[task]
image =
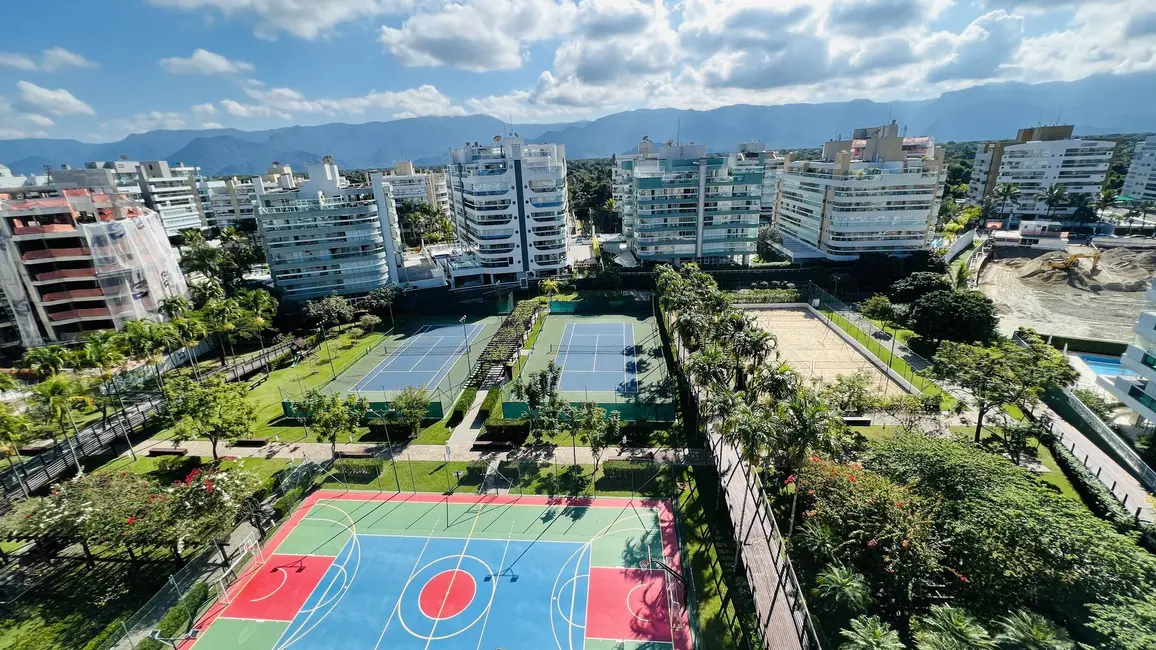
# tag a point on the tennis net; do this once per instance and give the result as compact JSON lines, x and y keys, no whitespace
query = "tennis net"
{"x":593,"y":349}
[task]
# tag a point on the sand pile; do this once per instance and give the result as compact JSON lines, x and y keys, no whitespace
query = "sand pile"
{"x":1120,"y":269}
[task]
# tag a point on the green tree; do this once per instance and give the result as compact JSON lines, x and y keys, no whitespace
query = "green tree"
{"x":801,"y":426}
{"x":380,"y":301}
{"x":596,"y":429}
{"x":1005,"y":194}
{"x":332,"y":417}
{"x":1024,"y":630}
{"x":368,"y":323}
{"x":951,"y":628}
{"x":842,"y":593}
{"x":410,"y":407}
{"x":146,"y":341}
{"x":103,"y":351}
{"x":870,"y":633}
{"x":55,"y":398}
{"x":965,"y":316}
{"x":917,"y":285}
{"x":852,"y":394}
{"x":15,"y":432}
{"x":1054,"y":196}
{"x":225,"y":264}
{"x":1104,"y":200}
{"x":548,"y":287}
{"x":420,"y":219}
{"x":989,"y":374}
{"x":210,"y":409}
{"x":960,"y":278}
{"x":329,"y":311}
{"x":1125,"y":623}
{"x":545,"y":405}
{"x":175,"y":307}
{"x":223,"y":319}
{"x":878,"y":308}
{"x":45,"y":360}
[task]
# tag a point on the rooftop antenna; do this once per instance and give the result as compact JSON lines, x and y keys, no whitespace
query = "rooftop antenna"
{"x":1040,"y":122}
{"x":678,"y":132}
{"x":1060,"y":115}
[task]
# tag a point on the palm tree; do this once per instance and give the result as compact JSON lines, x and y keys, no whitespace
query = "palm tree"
{"x":55,"y":398}
{"x":961,"y":276}
{"x":146,"y":343}
{"x":774,"y":382}
{"x":951,"y":628}
{"x":262,"y":307}
{"x":176,"y":307}
{"x":222,"y":318}
{"x":842,"y":590}
{"x":191,"y":332}
{"x":748,"y":431}
{"x":1105,"y":200}
{"x":1083,"y":207}
{"x":751,"y":347}
{"x":710,"y":366}
{"x":1146,"y":208}
{"x":870,"y":633}
{"x":1054,"y":196}
{"x":802,"y":425}
{"x":102,"y":350}
{"x":45,"y":360}
{"x":15,"y":432}
{"x":1006,"y":193}
{"x":1026,"y":630}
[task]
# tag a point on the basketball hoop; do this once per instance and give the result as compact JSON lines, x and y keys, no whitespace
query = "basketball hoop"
{"x":644,"y":564}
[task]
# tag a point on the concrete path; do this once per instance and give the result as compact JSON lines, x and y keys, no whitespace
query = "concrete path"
{"x":471,"y":425}
{"x":541,"y":453}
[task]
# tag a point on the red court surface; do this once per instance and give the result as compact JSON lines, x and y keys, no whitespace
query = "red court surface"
{"x":277,"y":590}
{"x":631,"y":604}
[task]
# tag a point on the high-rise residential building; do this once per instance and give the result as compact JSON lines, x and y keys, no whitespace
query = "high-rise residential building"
{"x":772,"y":164}
{"x":8,"y":180}
{"x":622,"y":180}
{"x":1140,"y":184}
{"x":324,"y":236}
{"x":74,"y":261}
{"x":1036,"y":159}
{"x":421,"y":187}
{"x":683,"y":205}
{"x":1138,"y":390}
{"x":510,"y":207}
{"x":878,"y":192}
{"x":171,"y":192}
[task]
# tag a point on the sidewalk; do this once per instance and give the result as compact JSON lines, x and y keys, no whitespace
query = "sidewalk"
{"x":468,"y":429}
{"x":545,"y":453}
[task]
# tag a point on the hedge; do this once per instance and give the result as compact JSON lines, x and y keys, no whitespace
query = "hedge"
{"x":285,"y":504}
{"x":768,"y":296}
{"x":514,"y":431}
{"x":462,"y":406}
{"x":111,"y":632}
{"x":179,"y":618}
{"x":1089,"y":346}
{"x":493,"y":401}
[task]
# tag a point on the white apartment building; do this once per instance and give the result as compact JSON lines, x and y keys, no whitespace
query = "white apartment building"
{"x":411,"y":185}
{"x":1140,"y":184}
{"x":1138,"y":392}
{"x":684,"y":205}
{"x":324,"y":236}
{"x":772,"y":165}
{"x":1038,"y":158}
{"x":510,"y":207}
{"x":878,"y":192}
{"x":171,"y":192}
{"x":8,"y":180}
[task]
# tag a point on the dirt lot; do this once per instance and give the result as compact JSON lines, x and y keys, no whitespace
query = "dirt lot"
{"x":1075,"y":301}
{"x":812,"y":349}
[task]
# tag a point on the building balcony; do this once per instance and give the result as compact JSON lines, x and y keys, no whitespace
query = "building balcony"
{"x":1132,"y":393}
{"x":549,"y":261}
{"x":67,"y":296}
{"x":60,"y":317}
{"x":64,"y":274}
{"x":550,"y":245}
{"x":545,"y":203}
{"x":56,"y":254}
{"x":45,"y":229}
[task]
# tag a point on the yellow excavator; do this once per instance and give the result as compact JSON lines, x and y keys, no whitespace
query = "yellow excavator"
{"x":1074,"y":259}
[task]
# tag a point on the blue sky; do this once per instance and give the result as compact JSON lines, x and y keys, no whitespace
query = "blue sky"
{"x":98,"y":70}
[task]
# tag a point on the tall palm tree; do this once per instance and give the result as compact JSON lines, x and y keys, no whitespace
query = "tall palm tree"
{"x":1006,"y":193}
{"x":15,"y":432}
{"x":748,"y":430}
{"x":961,"y":276}
{"x":843,"y":591}
{"x":103,"y":351}
{"x":223,"y":317}
{"x":1026,"y":630}
{"x":710,"y":366}
{"x":176,"y":307}
{"x":771,"y":381}
{"x":1105,"y":200}
{"x":751,"y":347}
{"x":870,"y":633}
{"x":191,"y":332}
{"x":45,"y":360}
{"x":951,"y":628}
{"x":1083,"y":207}
{"x":802,"y":425}
{"x":262,"y":307}
{"x":146,"y":343}
{"x":55,"y":398}
{"x":1054,"y":196}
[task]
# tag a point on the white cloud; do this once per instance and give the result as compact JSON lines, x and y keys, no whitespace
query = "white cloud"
{"x":205,"y":109}
{"x":1090,"y":44}
{"x":7,"y":133}
{"x":281,"y":102}
{"x":204,"y":62}
{"x":478,"y":35}
{"x":303,"y":18}
{"x":38,"y":120}
{"x":148,"y":121}
{"x":237,"y":109}
{"x":211,"y":125}
{"x":58,"y":58}
{"x":987,"y":43}
{"x":18,"y":61}
{"x":57,"y":102}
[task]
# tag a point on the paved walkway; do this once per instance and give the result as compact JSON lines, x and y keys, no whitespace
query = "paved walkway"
{"x":468,"y":429}
{"x":541,"y":453}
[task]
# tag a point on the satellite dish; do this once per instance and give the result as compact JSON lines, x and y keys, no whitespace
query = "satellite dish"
{"x":328,"y":160}
{"x":497,"y":138}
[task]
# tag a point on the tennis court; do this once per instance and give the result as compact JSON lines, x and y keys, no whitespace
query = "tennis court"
{"x":424,"y":359}
{"x":368,"y":571}
{"x":598,"y":357}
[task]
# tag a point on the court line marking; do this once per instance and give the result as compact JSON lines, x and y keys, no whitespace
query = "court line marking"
{"x":632,"y":612}
{"x":461,"y":557}
{"x":284,"y":579}
{"x":485,"y":610}
{"x":412,"y":572}
{"x":360,"y":386}
{"x":472,"y":581}
{"x":567,"y":334}
{"x":597,"y":338}
{"x":496,"y":579}
{"x":571,"y":581}
{"x":458,"y":353}
{"x":427,"y":353}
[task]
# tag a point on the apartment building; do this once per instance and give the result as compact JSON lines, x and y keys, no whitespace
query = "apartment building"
{"x":878,"y":192}
{"x":683,"y":205}
{"x":622,"y":181}
{"x":8,"y":180}
{"x":411,"y":185}
{"x":171,"y":192}
{"x":1037,"y":158}
{"x":75,"y":260}
{"x":510,"y":207}
{"x":772,"y":165}
{"x":324,"y":236}
{"x":1140,"y":184}
{"x":1138,"y":391}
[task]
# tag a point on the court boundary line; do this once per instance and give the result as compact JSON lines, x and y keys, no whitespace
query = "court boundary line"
{"x":412,"y":572}
{"x":459,"y":351}
{"x":357,"y":388}
{"x":472,"y":335}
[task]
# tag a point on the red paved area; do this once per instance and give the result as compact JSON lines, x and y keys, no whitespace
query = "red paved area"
{"x":278,"y":589}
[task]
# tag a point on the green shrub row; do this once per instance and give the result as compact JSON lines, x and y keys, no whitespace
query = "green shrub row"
{"x":179,"y":618}
{"x":111,"y":632}
{"x":514,"y":431}
{"x":178,"y":467}
{"x":462,"y":406}
{"x":285,"y":504}
{"x":767,"y":296}
{"x":492,"y":403}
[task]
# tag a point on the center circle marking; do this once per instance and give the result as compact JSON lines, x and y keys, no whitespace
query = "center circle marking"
{"x":447,"y":594}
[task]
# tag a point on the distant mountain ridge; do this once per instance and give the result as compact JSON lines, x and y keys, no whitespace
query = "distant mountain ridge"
{"x":992,"y":111}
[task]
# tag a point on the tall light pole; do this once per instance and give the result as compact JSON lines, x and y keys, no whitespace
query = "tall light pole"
{"x":466,"y":338}
{"x":388,"y":441}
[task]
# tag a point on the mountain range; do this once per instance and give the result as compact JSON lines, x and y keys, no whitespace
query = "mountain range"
{"x":1095,"y":105}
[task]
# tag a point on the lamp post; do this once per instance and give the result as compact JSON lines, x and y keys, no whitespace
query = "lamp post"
{"x":466,"y":338}
{"x":389,"y":442}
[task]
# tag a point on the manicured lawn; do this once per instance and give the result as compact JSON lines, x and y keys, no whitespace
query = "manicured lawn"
{"x":261,"y":467}
{"x":415,"y":476}
{"x":899,"y":333}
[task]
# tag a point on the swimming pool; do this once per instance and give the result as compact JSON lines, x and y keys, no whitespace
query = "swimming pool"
{"x":1105,"y":366}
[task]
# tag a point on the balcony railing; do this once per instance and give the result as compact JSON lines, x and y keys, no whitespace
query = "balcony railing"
{"x":64,"y":274}
{"x":71,"y":314}
{"x":44,"y":229}
{"x":53,"y":253}
{"x":71,"y":295}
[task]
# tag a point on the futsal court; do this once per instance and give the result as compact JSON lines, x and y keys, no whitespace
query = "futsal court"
{"x":423,"y":359}
{"x":597,"y":357}
{"x":371,"y":571}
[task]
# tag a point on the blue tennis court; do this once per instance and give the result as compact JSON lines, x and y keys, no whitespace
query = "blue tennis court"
{"x":424,"y":359}
{"x":597,"y":357}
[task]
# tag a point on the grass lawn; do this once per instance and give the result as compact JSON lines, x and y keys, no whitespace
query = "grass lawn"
{"x":899,"y":333}
{"x":262,"y":467}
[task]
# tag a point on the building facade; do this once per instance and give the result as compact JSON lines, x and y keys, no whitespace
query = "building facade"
{"x":772,"y":165}
{"x":1140,"y":184}
{"x":511,"y":208}
{"x":1036,"y":159}
{"x":171,"y":192}
{"x":878,"y":192}
{"x":324,"y":236}
{"x":1138,"y":392}
{"x":75,"y":261}
{"x":683,"y":205}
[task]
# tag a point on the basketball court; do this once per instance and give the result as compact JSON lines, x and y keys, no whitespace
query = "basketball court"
{"x":371,"y":571}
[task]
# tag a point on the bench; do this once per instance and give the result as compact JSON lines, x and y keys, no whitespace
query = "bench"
{"x":492,"y":445}
{"x":249,"y":442}
{"x":168,"y":451}
{"x":857,"y":421}
{"x":354,"y":454}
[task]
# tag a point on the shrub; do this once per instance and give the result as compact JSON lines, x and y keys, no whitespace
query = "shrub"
{"x":492,"y":402}
{"x":104,"y":640}
{"x":285,"y":504}
{"x":462,"y":406}
{"x":179,"y":618}
{"x":503,"y":430}
{"x":177,"y":467}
